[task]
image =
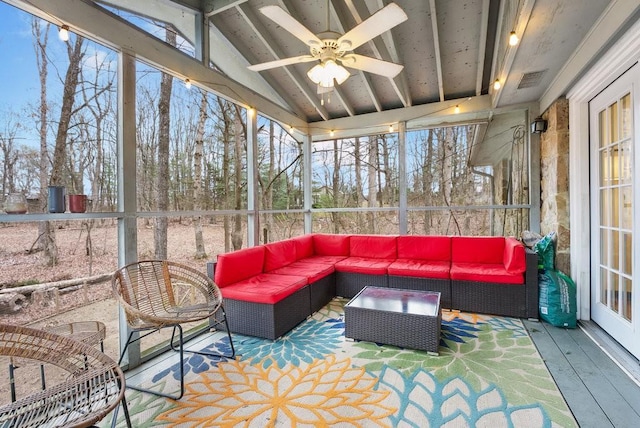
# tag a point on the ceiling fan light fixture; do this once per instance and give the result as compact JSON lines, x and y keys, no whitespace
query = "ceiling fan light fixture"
{"x":326,"y":72}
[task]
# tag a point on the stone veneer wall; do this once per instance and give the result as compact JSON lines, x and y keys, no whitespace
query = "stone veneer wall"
{"x":554,"y":185}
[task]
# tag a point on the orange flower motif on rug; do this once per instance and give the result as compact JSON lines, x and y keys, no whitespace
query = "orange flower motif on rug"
{"x":320,"y":394}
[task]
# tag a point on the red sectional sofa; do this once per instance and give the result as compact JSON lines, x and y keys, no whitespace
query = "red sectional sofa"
{"x":270,"y":288}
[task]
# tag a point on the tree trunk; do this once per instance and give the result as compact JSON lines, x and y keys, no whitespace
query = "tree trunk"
{"x":164,"y":114}
{"x":197,"y":180}
{"x":359,"y":193}
{"x":427,"y":181}
{"x":226,"y":167}
{"x":76,"y":56}
{"x":236,"y":236}
{"x":336,"y":187}
{"x":373,"y":188}
{"x":46,"y":242}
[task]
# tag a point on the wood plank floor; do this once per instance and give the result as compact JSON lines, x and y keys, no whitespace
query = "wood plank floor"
{"x":599,"y":392}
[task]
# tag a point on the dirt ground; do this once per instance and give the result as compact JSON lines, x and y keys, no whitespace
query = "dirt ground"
{"x":89,"y":302}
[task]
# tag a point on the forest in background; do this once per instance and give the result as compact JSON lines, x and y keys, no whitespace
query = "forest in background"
{"x":192,"y":156}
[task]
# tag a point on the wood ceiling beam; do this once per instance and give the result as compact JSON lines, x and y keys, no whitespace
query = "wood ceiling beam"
{"x":521,"y":21}
{"x":482,"y":46}
{"x":234,"y":63}
{"x":261,"y":31}
{"x":213,"y":7}
{"x":421,"y":116}
{"x":207,"y":7}
{"x":436,"y":45}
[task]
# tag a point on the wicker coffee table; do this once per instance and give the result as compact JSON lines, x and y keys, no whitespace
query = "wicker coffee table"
{"x":392,"y":316}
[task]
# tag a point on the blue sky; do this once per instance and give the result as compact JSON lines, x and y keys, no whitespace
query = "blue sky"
{"x":18,"y":71}
{"x":19,"y":76}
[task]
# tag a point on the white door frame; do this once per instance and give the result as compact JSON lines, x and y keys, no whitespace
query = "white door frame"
{"x":619,"y":58}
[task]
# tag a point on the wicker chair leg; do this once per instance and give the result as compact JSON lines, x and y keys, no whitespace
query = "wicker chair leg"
{"x":181,"y":350}
{"x":213,"y":354}
{"x":125,"y":409}
{"x":12,"y":382}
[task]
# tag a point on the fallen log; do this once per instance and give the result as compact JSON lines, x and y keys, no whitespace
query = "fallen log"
{"x":11,"y":302}
{"x":28,"y":289}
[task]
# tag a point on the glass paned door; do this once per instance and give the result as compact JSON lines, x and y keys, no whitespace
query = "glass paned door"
{"x":614,"y":293}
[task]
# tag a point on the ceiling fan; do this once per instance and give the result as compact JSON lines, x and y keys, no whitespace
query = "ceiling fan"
{"x":333,"y":50}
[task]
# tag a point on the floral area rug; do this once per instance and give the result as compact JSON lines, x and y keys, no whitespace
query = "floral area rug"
{"x":488,"y":374}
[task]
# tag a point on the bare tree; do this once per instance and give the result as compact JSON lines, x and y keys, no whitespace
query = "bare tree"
{"x":373,"y":188}
{"x":335,"y":186}
{"x":46,"y":238}
{"x":163,"y":178}
{"x":197,"y":173}
{"x":9,"y":153}
{"x":236,"y":236}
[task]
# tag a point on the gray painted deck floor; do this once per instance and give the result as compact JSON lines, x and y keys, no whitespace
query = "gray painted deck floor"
{"x":599,"y":392}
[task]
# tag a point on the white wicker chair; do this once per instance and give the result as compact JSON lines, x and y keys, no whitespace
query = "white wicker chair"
{"x":158,"y":293}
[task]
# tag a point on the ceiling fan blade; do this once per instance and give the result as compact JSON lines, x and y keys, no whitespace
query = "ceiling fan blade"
{"x":281,"y":62}
{"x":289,"y":23}
{"x":371,"y":65}
{"x":381,"y":21}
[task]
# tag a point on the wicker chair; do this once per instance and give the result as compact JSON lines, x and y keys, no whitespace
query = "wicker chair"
{"x":94,"y":387}
{"x":158,"y":293}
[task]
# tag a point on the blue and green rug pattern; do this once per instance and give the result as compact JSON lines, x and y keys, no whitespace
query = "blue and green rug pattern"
{"x":488,"y":374}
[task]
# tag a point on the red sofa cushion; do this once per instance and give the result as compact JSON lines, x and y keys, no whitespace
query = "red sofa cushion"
{"x":330,"y":245}
{"x":312,"y":271}
{"x":304,"y":246}
{"x":484,"y":272}
{"x":477,"y":249}
{"x":437,"y":269}
{"x":364,"y":265}
{"x":239,"y":265}
{"x":424,"y":247}
{"x":514,"y":256}
{"x":264,"y":288}
{"x":327,"y":260}
{"x":373,"y":246}
{"x":279,"y":254}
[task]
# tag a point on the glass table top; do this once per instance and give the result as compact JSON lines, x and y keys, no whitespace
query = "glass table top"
{"x":397,"y":300}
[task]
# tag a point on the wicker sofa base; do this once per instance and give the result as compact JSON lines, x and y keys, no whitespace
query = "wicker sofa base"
{"x":322,"y":292}
{"x":443,"y":286}
{"x":348,"y":284}
{"x":268,"y":320}
{"x":490,"y":298}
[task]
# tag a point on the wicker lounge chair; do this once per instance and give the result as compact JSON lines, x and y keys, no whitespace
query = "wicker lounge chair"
{"x":94,"y":387}
{"x":156,"y":294}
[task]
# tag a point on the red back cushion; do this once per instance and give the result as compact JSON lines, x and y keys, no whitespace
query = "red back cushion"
{"x":514,"y":256}
{"x":238,"y":265}
{"x":477,"y":249}
{"x":279,"y":254}
{"x":304,"y":246}
{"x":373,"y":246}
{"x":424,"y":248}
{"x":331,"y":245}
